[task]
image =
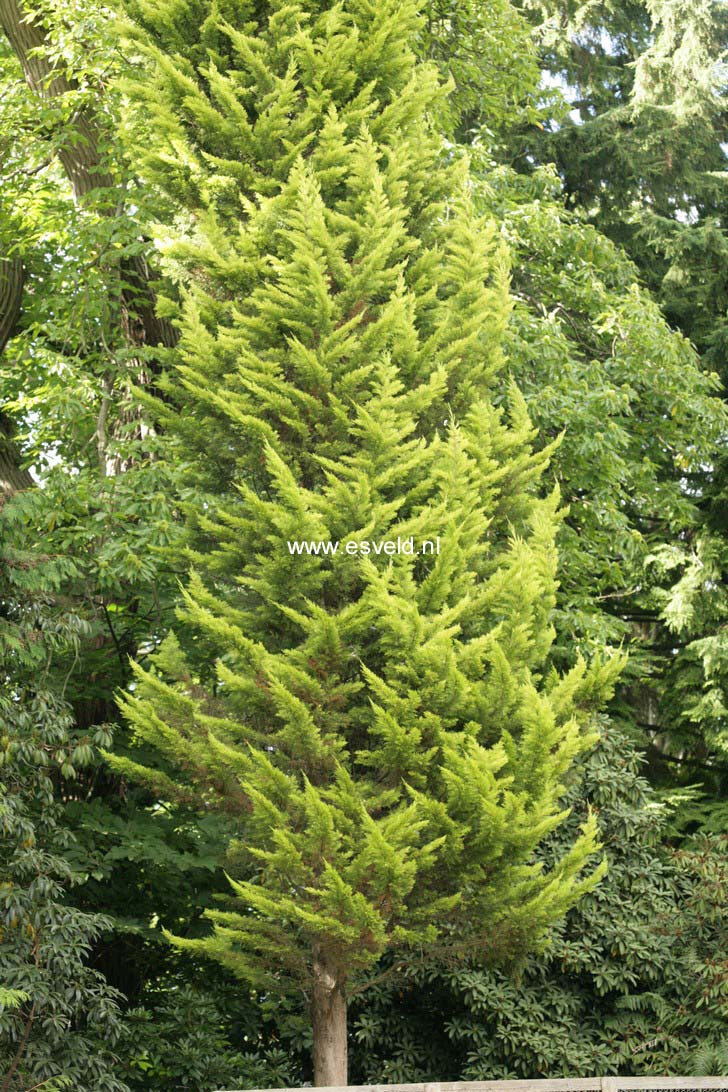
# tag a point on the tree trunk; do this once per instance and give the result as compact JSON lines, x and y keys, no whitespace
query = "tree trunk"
{"x":11,"y":293}
{"x":89,"y":166}
{"x":93,"y":167}
{"x":330,"y":1061}
{"x":12,"y":478}
{"x":79,"y":151}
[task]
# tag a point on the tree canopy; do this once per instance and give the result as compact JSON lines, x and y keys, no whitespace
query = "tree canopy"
{"x":355,"y":275}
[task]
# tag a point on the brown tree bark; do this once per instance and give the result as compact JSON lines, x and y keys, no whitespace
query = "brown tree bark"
{"x":11,"y":293}
{"x":79,"y":152}
{"x":329,"y":1018}
{"x":12,"y":478}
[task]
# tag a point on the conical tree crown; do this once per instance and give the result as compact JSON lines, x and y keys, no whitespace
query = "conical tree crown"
{"x":377,"y":585}
{"x":321,"y":225}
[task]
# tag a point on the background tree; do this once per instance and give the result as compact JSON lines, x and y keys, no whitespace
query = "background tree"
{"x":65,"y":1021}
{"x":78,"y":330}
{"x":642,"y":154}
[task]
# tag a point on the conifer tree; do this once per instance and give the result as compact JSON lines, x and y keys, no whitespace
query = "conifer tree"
{"x":378,"y":715}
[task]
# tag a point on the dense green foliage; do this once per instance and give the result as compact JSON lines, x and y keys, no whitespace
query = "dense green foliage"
{"x":600,"y":368}
{"x":630,"y":967}
{"x":59,"y":1019}
{"x":383,"y":730}
{"x":145,"y":151}
{"x":642,"y":154}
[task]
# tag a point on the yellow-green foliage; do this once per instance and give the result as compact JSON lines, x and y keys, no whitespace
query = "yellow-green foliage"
{"x":380,"y":723}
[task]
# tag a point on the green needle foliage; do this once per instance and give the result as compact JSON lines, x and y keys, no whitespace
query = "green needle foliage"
{"x":380,"y":721}
{"x":637,"y":147}
{"x":630,"y":983}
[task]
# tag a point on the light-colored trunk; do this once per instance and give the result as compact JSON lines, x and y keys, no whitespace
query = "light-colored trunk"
{"x":330,"y":1056}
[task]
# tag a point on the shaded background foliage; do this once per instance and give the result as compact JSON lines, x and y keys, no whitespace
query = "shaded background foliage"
{"x":64,"y":1020}
{"x":626,"y":986}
